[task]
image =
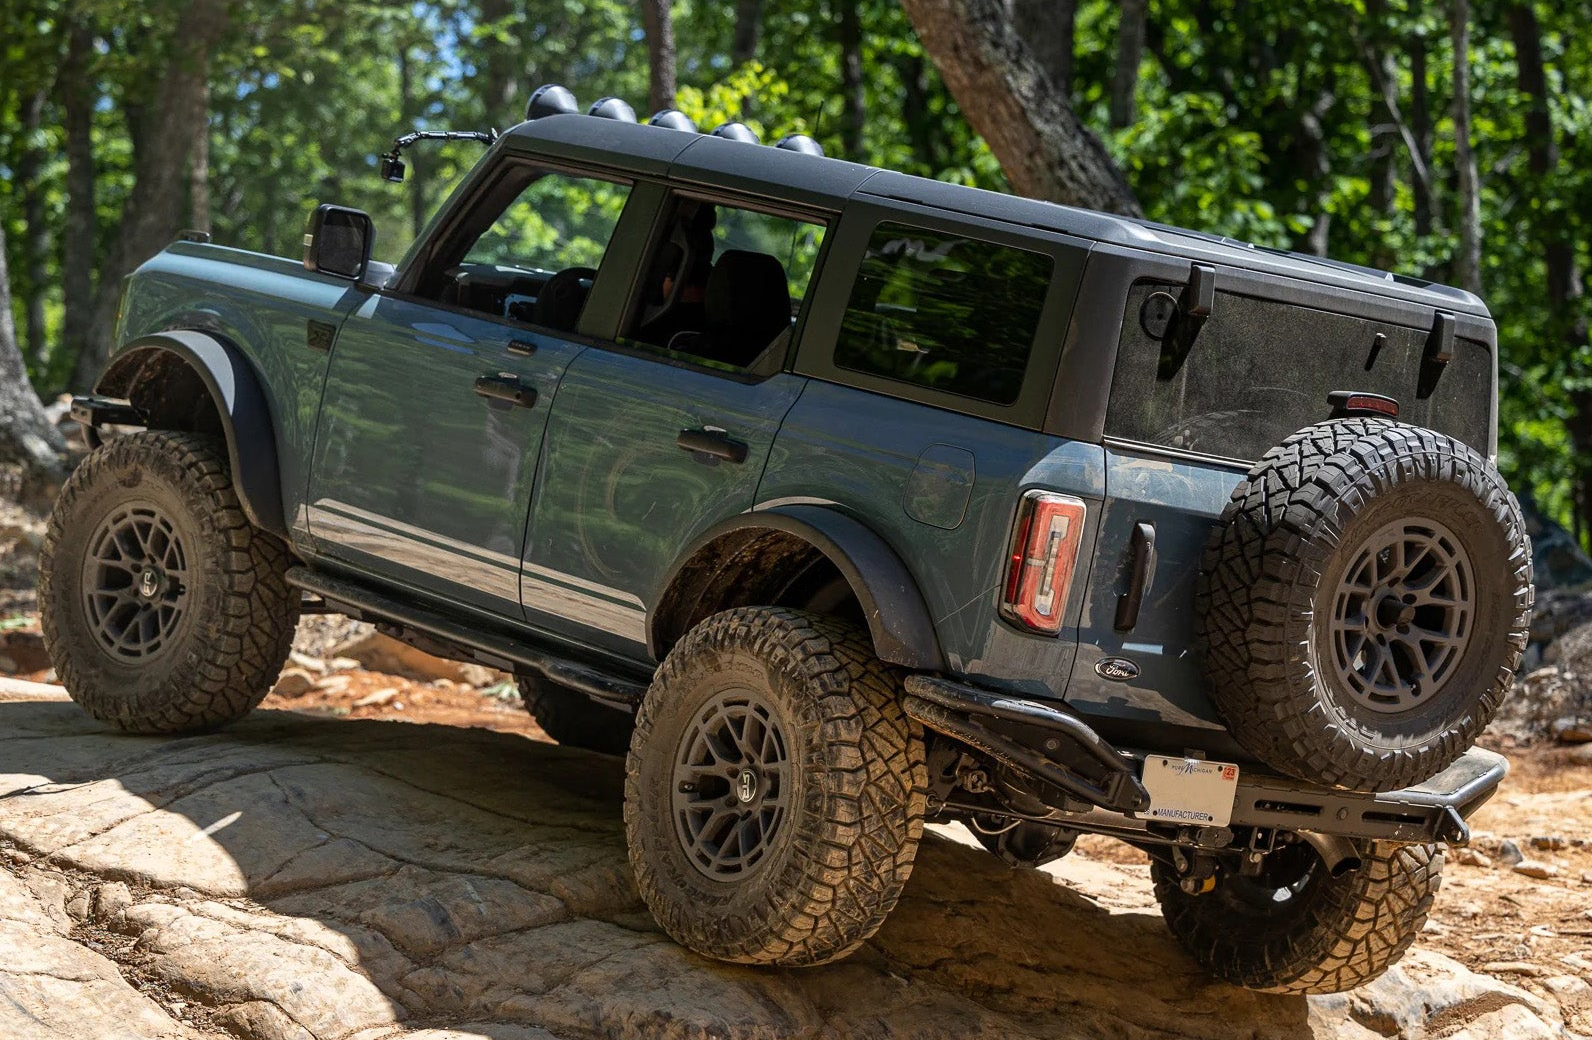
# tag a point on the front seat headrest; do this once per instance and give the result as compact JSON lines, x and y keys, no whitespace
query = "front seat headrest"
{"x":748,"y":304}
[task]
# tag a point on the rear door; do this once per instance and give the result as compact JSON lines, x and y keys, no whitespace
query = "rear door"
{"x":437,"y":397}
{"x":1180,"y":437}
{"x":666,"y":429}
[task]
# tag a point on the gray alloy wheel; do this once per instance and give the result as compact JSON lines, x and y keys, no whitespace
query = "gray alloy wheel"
{"x":134,"y":581}
{"x":1402,"y":615}
{"x":730,"y":792}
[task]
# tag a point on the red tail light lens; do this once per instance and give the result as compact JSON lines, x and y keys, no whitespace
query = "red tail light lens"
{"x":1044,"y":554}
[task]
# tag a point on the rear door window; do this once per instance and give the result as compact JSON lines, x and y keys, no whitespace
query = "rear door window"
{"x":946,"y":312}
{"x":1261,"y":369}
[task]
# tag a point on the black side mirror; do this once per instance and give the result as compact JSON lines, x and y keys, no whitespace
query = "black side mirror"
{"x":338,"y":241}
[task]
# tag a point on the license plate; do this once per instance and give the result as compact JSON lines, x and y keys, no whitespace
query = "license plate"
{"x":1190,"y":790}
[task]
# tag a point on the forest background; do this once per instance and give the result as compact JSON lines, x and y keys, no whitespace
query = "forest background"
{"x":1448,"y":140}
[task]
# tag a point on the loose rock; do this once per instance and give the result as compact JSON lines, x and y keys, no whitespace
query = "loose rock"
{"x":1536,"y":869}
{"x":294,"y":682}
{"x":1508,"y":853}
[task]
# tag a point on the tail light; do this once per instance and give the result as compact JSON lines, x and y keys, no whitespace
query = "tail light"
{"x":1044,"y":555}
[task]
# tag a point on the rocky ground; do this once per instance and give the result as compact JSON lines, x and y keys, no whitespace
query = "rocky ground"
{"x":313,"y":878}
{"x":322,"y":871}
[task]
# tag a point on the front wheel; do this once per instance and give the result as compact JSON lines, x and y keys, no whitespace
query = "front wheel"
{"x":775,"y":790}
{"x":164,"y":611}
{"x":573,"y":719}
{"x":1297,"y":929}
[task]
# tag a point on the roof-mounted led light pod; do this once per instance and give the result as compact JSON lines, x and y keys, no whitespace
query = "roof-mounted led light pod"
{"x":800,"y":143}
{"x":736,"y":132}
{"x":551,"y":100}
{"x":612,"y":108}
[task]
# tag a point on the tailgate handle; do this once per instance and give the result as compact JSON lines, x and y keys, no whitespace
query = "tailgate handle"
{"x":1140,"y":574}
{"x":711,"y":442}
{"x":503,"y":387}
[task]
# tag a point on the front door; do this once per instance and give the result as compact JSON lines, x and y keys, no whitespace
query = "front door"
{"x":437,"y":396}
{"x":658,"y":436}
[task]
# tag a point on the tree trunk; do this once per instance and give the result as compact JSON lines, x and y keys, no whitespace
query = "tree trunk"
{"x":28,"y":440}
{"x":1563,"y":277}
{"x":657,"y":19}
{"x":1383,"y":122}
{"x":1467,"y":265}
{"x":199,"y":170}
{"x":501,"y":69}
{"x":1047,"y":26}
{"x":915,"y":113}
{"x":748,"y":26}
{"x":1130,"y":53}
{"x":35,"y":230}
{"x":80,"y":240}
{"x":854,"y":113}
{"x":162,"y":145}
{"x":409,"y":106}
{"x":1421,"y":133}
{"x":1044,"y":149}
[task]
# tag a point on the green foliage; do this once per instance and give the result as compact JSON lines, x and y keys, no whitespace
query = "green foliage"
{"x":1258,"y":121}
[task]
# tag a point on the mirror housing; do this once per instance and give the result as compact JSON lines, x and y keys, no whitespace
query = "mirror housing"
{"x":338,"y":241}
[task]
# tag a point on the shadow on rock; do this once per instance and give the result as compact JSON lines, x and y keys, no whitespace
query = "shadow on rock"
{"x":315,"y":879}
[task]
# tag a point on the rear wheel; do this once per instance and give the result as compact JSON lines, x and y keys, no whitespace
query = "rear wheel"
{"x":575,"y":720}
{"x":775,"y":790}
{"x":163,"y":609}
{"x":1297,"y":929}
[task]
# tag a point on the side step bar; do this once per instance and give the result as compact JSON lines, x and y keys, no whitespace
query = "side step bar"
{"x":475,"y":644}
{"x":958,"y":710}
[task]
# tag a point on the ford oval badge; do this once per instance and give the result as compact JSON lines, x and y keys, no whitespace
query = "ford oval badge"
{"x":1117,"y":669}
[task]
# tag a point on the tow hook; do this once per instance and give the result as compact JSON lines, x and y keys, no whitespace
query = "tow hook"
{"x":1452,"y":828}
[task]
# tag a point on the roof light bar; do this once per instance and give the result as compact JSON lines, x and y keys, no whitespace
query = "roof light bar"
{"x":612,"y":108}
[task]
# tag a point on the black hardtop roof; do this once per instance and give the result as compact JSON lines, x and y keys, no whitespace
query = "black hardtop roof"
{"x":791,"y":177}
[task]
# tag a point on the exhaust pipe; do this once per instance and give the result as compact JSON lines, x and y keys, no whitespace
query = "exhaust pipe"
{"x":1337,"y":852}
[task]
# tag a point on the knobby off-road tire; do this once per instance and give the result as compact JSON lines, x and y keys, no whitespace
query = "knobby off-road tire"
{"x":1323,"y":935}
{"x":1364,"y":602}
{"x":575,"y":720}
{"x":775,"y":790}
{"x":164,"y":611}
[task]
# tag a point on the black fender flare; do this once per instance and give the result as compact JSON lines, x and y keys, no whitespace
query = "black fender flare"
{"x":240,"y":403}
{"x":898,"y":617}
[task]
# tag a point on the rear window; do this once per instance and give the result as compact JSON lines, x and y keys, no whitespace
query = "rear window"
{"x":1262,"y":369}
{"x":949,"y":313}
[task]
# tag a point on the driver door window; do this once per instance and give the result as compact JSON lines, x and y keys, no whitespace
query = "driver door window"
{"x":537,"y":261}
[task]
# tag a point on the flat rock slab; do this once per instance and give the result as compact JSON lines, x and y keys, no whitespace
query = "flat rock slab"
{"x":294,"y":878}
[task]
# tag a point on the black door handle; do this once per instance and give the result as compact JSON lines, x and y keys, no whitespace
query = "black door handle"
{"x":1139,"y":577}
{"x":711,"y":442}
{"x":508,"y":388}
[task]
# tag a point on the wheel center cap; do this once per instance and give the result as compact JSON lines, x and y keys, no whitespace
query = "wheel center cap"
{"x":148,"y":583}
{"x":746,"y":786}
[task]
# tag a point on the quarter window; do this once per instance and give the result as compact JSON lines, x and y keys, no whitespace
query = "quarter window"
{"x":949,"y":313}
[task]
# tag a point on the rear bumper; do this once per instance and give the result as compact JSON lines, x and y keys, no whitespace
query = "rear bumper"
{"x":1018,"y":732}
{"x":1435,"y":810}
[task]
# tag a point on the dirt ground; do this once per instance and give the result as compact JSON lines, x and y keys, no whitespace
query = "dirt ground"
{"x":1516,"y":905}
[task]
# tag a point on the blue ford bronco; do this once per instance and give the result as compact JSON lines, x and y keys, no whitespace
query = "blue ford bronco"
{"x":841,"y":501}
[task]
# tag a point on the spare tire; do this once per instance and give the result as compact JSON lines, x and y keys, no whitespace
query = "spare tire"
{"x":1363,"y":603}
